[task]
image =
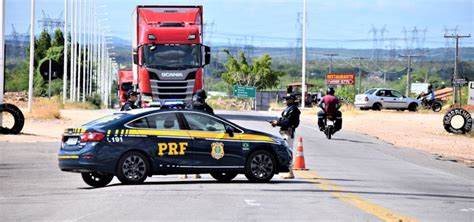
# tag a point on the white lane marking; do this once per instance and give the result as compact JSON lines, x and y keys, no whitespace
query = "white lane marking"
{"x":467,"y":209}
{"x":252,"y":202}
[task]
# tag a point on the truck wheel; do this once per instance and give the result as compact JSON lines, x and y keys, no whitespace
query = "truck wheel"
{"x":95,"y":179}
{"x":132,"y":168}
{"x":17,"y":116}
{"x":223,"y":177}
{"x":260,"y":166}
{"x":412,"y":107}
{"x":377,"y":107}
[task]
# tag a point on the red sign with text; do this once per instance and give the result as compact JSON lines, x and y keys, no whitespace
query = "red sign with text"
{"x":340,"y":79}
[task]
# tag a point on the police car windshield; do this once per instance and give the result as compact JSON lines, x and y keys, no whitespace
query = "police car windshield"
{"x":106,"y":119}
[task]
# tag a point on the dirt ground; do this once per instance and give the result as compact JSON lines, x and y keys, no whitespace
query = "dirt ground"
{"x":422,"y":130}
{"x":44,"y":130}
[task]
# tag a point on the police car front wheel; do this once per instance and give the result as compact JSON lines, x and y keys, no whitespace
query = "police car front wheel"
{"x":133,"y":168}
{"x":97,"y":179}
{"x":260,"y":166}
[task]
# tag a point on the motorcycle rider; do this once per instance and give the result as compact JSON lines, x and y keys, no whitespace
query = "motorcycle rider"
{"x":288,"y":122}
{"x":429,"y":96}
{"x":330,"y":104}
{"x":132,"y":99}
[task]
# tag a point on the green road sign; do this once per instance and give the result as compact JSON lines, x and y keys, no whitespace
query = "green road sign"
{"x":245,"y":91}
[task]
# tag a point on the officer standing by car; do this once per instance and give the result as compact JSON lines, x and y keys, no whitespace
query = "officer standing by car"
{"x":199,"y":104}
{"x":288,"y":122}
{"x":132,"y":99}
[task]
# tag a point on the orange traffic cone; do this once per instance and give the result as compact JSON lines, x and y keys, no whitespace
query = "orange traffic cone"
{"x":299,"y":156}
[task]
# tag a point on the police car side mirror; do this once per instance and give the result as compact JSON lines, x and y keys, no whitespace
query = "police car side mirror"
{"x":229,"y":130}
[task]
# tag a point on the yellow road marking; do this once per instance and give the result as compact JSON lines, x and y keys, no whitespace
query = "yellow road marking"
{"x":352,"y":199}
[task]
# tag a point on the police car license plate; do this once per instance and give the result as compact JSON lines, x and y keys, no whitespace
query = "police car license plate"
{"x":72,"y":141}
{"x":330,"y":123}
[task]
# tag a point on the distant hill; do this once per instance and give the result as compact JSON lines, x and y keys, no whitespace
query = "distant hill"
{"x":122,"y":49}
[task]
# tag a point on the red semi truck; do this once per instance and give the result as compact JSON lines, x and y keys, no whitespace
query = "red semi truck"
{"x":168,"y":53}
{"x":125,"y":83}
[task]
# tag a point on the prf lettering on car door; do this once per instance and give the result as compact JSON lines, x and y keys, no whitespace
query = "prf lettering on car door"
{"x":173,"y":149}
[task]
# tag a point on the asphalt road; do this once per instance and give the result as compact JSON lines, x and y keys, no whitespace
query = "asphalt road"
{"x":351,"y":178}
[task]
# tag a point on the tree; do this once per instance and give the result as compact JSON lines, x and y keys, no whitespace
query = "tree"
{"x":58,"y":38}
{"x":258,"y":74}
{"x":42,"y":45}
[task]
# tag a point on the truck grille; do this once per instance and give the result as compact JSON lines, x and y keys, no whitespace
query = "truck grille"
{"x":172,"y":89}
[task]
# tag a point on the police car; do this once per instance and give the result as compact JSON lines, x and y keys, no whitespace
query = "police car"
{"x":140,"y":143}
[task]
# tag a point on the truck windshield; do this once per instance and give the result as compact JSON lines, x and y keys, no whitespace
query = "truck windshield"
{"x":172,"y":56}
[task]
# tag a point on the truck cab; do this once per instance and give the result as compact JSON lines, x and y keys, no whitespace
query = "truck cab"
{"x":168,"y":53}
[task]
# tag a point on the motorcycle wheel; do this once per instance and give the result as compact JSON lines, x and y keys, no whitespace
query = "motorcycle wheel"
{"x":436,"y":106}
{"x":328,"y":133}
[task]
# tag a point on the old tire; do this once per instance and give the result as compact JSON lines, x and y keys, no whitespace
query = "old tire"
{"x":465,"y":128}
{"x":17,"y":115}
{"x":224,"y":176}
{"x":132,"y":168}
{"x":412,"y":107}
{"x":377,"y":107}
{"x":260,"y":166}
{"x":95,"y":179}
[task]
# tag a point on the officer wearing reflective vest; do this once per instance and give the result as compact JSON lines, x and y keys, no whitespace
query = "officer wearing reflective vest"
{"x":288,"y":122}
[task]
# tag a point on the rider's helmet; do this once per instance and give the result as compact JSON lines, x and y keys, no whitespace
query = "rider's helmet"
{"x":201,"y":95}
{"x":330,"y":91}
{"x":430,"y":87}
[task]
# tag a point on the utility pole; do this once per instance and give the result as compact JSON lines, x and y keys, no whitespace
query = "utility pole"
{"x":303,"y":60}
{"x":79,"y":54}
{"x":32,"y":57}
{"x":360,"y":72}
{"x":456,"y":86}
{"x":409,"y":57}
{"x":72,"y":82}
{"x":65,"y":53}
{"x":330,"y":59}
{"x":2,"y":53}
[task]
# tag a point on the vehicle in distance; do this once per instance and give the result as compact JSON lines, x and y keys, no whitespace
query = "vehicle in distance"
{"x":140,"y":143}
{"x":124,"y":84}
{"x":383,"y":98}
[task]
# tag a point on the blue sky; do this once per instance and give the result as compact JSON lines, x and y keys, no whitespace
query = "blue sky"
{"x":273,"y":23}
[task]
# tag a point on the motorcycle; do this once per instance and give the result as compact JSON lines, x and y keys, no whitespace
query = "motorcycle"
{"x":329,"y":129}
{"x":434,"y":105}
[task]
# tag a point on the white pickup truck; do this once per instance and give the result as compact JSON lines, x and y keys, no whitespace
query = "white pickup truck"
{"x":382,"y":98}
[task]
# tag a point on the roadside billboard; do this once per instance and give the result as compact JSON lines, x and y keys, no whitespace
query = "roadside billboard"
{"x":340,"y":79}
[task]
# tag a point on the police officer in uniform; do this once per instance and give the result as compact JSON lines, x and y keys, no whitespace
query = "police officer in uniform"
{"x":200,"y":104}
{"x":132,"y":99}
{"x":288,"y":122}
